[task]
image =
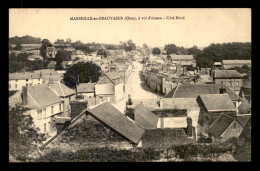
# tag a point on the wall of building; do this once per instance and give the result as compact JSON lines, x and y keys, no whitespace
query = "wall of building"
{"x":235,"y":84}
{"x":18,"y":84}
{"x":119,"y":91}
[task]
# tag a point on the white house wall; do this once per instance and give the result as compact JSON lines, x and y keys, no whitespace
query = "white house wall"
{"x":21,"y":83}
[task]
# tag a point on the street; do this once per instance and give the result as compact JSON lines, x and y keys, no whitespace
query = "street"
{"x":136,"y":87}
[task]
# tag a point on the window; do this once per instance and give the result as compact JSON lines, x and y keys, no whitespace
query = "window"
{"x":38,"y":79}
{"x":26,"y":79}
{"x":16,"y":80}
{"x":26,"y":84}
{"x":60,"y":106}
{"x":44,"y":113}
{"x":9,"y":85}
{"x":237,"y":83}
{"x":39,"y":83}
{"x":52,"y":110}
{"x":44,"y":127}
{"x":30,"y":84}
{"x":235,"y":124}
{"x":230,"y":83}
{"x":39,"y":114}
{"x":15,"y":85}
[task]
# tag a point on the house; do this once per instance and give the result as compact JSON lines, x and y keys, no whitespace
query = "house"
{"x":35,"y":58}
{"x":47,"y":74}
{"x":34,"y":51}
{"x":18,"y":80}
{"x":235,"y":63}
{"x":77,"y":54}
{"x":65,"y":93}
{"x":245,"y":91}
{"x":117,"y":122}
{"x":86,"y":90}
{"x":193,"y":90}
{"x":185,"y":60}
{"x":51,"y":52}
{"x":166,"y":137}
{"x":231,"y":78}
{"x":118,"y":53}
{"x":44,"y":106}
{"x":110,"y":87}
{"x":212,"y":106}
{"x":224,"y":128}
{"x":144,"y":118}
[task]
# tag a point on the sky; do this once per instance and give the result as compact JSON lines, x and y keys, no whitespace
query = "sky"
{"x":199,"y":27}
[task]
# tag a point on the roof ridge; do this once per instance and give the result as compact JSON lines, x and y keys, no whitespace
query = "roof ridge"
{"x":61,"y":89}
{"x":175,"y":90}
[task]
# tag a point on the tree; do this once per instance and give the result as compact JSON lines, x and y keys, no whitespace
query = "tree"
{"x":45,"y":43}
{"x":171,"y":48}
{"x":102,"y":52}
{"x":156,"y":51}
{"x":18,"y":47}
{"x":59,"y":60}
{"x":131,"y":45}
{"x":24,"y":137}
{"x":85,"y":72}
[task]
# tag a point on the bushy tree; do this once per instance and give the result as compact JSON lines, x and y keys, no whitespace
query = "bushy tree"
{"x":156,"y":51}
{"x":85,"y":72}
{"x":18,"y":47}
{"x":24,"y":137}
{"x":45,"y":43}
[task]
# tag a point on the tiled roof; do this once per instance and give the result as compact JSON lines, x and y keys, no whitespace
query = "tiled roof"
{"x":116,"y":120}
{"x":62,"y":90}
{"x":226,"y":74}
{"x":217,"y":102}
{"x":23,"y":76}
{"x":144,"y":117}
{"x":236,"y":62}
{"x":43,"y":95}
{"x":193,"y":90}
{"x":220,"y":125}
{"x":86,"y":88}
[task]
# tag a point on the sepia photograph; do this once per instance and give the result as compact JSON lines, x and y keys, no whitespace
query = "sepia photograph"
{"x":129,"y":85}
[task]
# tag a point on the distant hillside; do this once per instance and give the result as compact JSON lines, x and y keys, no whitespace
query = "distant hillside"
{"x":24,"y":40}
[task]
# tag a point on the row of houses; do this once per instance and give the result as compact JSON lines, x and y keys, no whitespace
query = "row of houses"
{"x":227,"y":64}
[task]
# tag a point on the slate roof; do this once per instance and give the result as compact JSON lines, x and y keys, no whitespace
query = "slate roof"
{"x":244,"y":108}
{"x":23,"y":76}
{"x":86,"y":88}
{"x":163,"y":113}
{"x":193,"y":90}
{"x":50,"y":49}
{"x":220,"y":125}
{"x":43,"y":95}
{"x":246,"y":83}
{"x":165,"y":137}
{"x":116,"y":120}
{"x":144,"y":117}
{"x":227,"y":74}
{"x":179,"y":103}
{"x":104,"y":79}
{"x":181,"y":57}
{"x":243,"y":120}
{"x":217,"y":102}
{"x":62,"y":90}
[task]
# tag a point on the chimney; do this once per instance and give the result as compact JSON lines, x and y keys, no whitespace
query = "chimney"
{"x":189,"y":127}
{"x":222,"y":90}
{"x":25,"y":95}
